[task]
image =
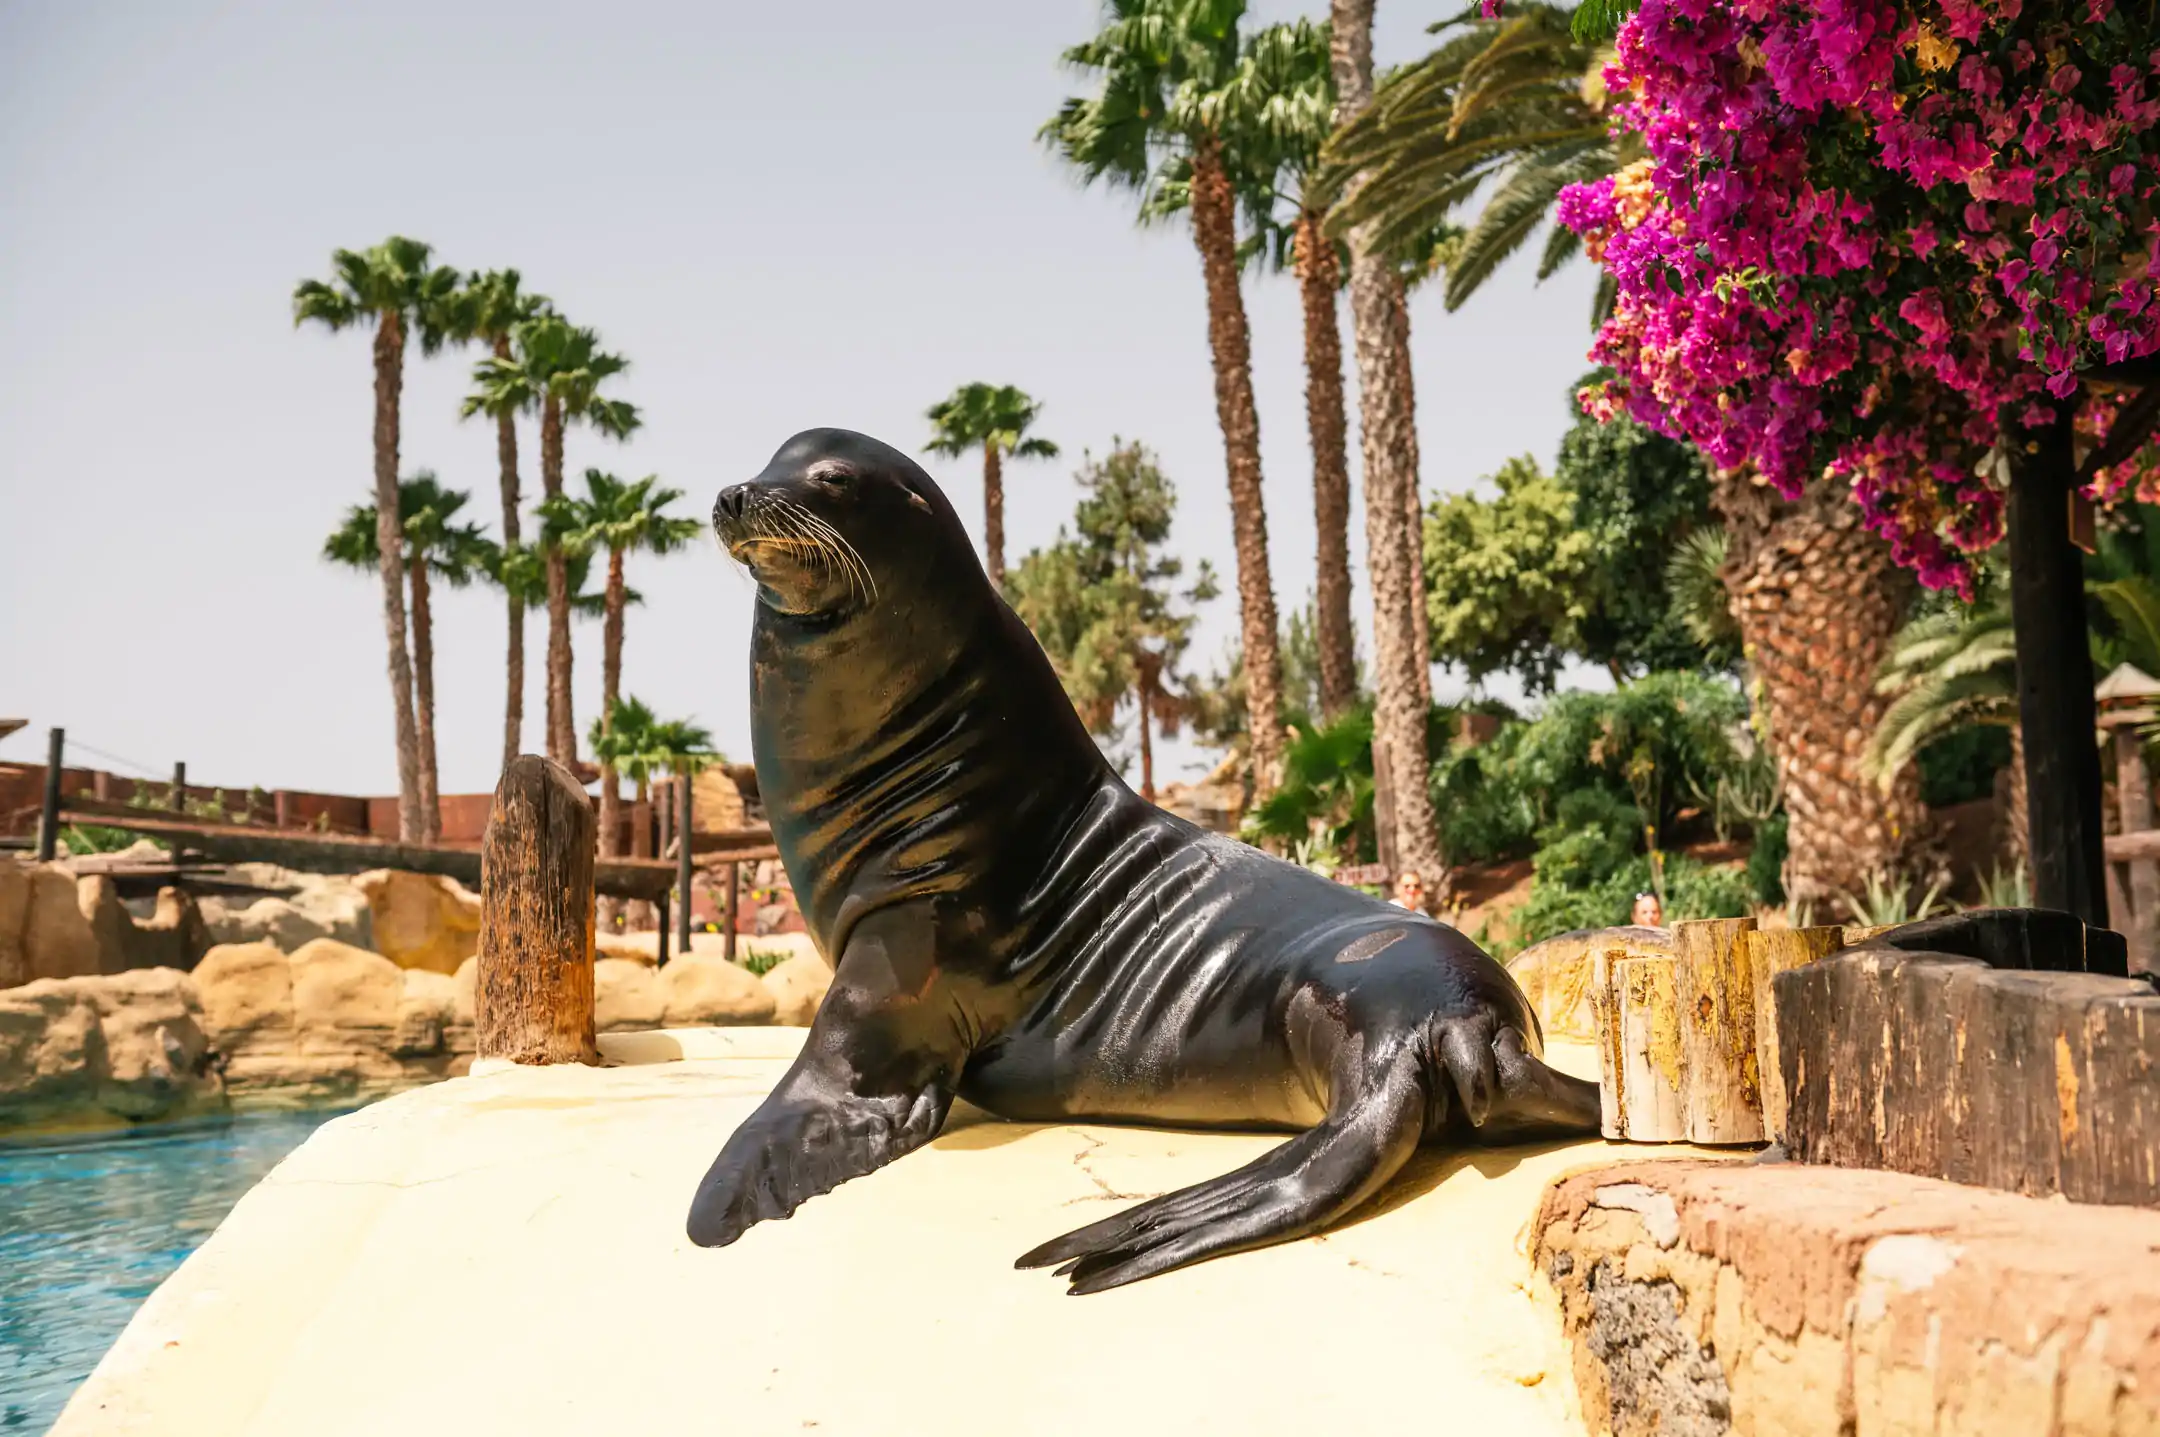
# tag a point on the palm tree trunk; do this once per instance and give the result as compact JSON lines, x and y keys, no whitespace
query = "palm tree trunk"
{"x":2017,"y":821}
{"x":1215,"y":234}
{"x":993,"y":515}
{"x":1379,"y":320}
{"x":423,"y":643}
{"x":611,"y":631}
{"x":1414,"y":528}
{"x":1147,"y":747}
{"x":506,"y":457}
{"x":1818,"y":600}
{"x":561,"y":730}
{"x":1319,"y":276}
{"x":390,"y":545}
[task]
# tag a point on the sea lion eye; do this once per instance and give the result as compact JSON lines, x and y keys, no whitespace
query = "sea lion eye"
{"x":830,"y":474}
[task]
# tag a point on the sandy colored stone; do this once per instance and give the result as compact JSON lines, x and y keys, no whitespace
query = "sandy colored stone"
{"x":173,"y":936}
{"x":421,"y":920}
{"x":14,"y":914}
{"x":626,"y":994}
{"x":104,"y":1047}
{"x":338,"y":988}
{"x":1827,"y":1299}
{"x":628,"y":947}
{"x":266,"y":920}
{"x":112,"y":927}
{"x":246,"y":991}
{"x":313,"y":1308}
{"x":798,"y":986}
{"x":427,"y":1016}
{"x":466,"y":982}
{"x":57,"y":939}
{"x":704,"y":990}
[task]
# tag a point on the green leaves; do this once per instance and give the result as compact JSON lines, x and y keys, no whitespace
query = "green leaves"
{"x":552,"y":359}
{"x":455,"y":553}
{"x":1596,"y":21}
{"x":617,"y":517}
{"x":397,"y":277}
{"x":639,"y":745}
{"x":977,"y":414}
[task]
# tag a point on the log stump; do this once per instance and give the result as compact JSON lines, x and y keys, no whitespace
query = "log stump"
{"x":533,"y":1001}
{"x":2010,"y":1064}
{"x":1771,"y":952}
{"x":1640,"y":1072}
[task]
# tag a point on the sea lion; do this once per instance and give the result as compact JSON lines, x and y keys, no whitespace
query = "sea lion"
{"x":1013,"y":925}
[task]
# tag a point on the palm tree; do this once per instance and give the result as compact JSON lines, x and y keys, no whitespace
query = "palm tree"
{"x":1380,"y":320}
{"x":1281,"y":98}
{"x":618,"y":518}
{"x":1163,"y":65}
{"x":632,"y":741}
{"x":997,"y":418}
{"x":1514,"y":108}
{"x":433,"y":544}
{"x":397,"y":288}
{"x":558,"y":369}
{"x":489,"y":307}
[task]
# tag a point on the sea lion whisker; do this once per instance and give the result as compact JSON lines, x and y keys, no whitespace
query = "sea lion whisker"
{"x":857,"y":568}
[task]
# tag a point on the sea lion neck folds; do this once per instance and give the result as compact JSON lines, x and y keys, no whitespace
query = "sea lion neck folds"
{"x":1012,"y":924}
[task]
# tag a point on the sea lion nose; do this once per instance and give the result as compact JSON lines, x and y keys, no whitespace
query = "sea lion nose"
{"x":728,"y":508}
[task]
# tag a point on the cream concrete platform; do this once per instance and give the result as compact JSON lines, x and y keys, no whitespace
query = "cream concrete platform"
{"x":504,"y":1254}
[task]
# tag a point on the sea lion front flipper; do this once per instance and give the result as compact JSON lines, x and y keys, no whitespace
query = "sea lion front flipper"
{"x":873,"y":1083}
{"x":1299,"y":1188}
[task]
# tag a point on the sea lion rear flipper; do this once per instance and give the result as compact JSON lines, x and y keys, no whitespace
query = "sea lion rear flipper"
{"x":1534,"y":1099}
{"x":1299,"y":1188}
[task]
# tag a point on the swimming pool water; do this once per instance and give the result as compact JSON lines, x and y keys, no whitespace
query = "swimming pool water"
{"x":89,"y":1225}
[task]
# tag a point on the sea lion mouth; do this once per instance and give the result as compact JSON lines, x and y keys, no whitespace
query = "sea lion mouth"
{"x":771,"y":523}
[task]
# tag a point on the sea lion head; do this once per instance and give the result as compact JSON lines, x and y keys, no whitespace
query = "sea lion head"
{"x":835,"y":521}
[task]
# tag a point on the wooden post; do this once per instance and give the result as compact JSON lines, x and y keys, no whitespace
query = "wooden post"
{"x":179,"y":805}
{"x":662,"y":931}
{"x":2056,"y":709}
{"x":1641,"y":1081}
{"x":101,"y":786}
{"x":534,"y":998}
{"x":728,"y":906}
{"x":2133,"y":790}
{"x":1723,"y":1091}
{"x":683,"y":871}
{"x":281,"y":809}
{"x":1769,"y":953}
{"x":48,"y":836}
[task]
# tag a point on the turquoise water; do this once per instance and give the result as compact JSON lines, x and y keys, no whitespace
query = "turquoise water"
{"x":88,"y":1225}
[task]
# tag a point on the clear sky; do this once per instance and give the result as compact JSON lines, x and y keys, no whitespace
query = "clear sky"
{"x":785,"y":215}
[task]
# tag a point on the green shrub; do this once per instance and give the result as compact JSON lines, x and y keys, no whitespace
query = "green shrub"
{"x":761,"y":961}
{"x":1593,"y":835}
{"x":1766,"y":862}
{"x":1692,"y":890}
{"x":1961,"y":765}
{"x":1483,"y":810}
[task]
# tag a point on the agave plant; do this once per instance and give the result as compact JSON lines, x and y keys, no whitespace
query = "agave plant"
{"x":1888,"y":901}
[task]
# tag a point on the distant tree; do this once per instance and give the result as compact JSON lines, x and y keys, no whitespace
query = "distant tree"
{"x":994,"y":418}
{"x":1104,"y":604}
{"x":397,"y":288}
{"x":558,"y":369}
{"x":486,"y":311}
{"x":432,"y":544}
{"x":617,"y":519}
{"x":1576,"y":565}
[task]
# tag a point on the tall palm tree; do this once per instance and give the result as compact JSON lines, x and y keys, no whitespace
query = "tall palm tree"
{"x":397,"y":287}
{"x":1380,"y":320}
{"x":1163,"y":65}
{"x":619,"y":519}
{"x":489,"y":307}
{"x":996,"y":417}
{"x":1281,"y":98}
{"x":558,"y":369}
{"x":433,"y":544}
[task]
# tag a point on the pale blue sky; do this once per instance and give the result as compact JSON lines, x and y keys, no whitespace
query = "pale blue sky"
{"x":786,"y":215}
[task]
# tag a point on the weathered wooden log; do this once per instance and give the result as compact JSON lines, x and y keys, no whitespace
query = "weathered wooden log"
{"x":2042,"y":939}
{"x":1939,"y":1065}
{"x":534,"y":999}
{"x":1769,"y":953}
{"x":1721,"y":1090}
{"x":1635,"y":996}
{"x":306,"y":851}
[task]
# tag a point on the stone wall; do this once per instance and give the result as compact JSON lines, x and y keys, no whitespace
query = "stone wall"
{"x":1705,"y":1298}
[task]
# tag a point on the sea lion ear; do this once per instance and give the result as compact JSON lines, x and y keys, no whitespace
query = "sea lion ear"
{"x":919,"y":502}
